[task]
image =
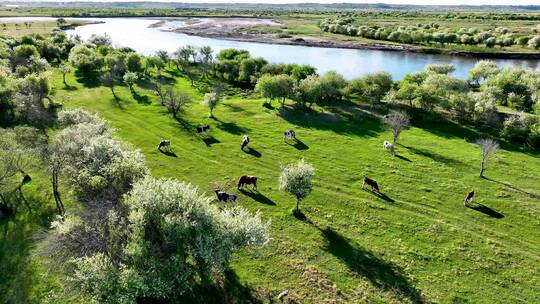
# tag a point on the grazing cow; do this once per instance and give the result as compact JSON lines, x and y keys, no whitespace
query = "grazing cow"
{"x":468,"y":198}
{"x":247,"y":180}
{"x":245,"y":142}
{"x":225,"y":197}
{"x":164,"y":143}
{"x":203,"y":129}
{"x":372,"y":183}
{"x":289,"y":134}
{"x":389,"y":147}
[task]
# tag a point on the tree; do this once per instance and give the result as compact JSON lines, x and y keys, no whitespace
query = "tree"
{"x":22,"y":54}
{"x":134,"y":63}
{"x":109,"y":81}
{"x":183,"y":56}
{"x":397,"y":122}
{"x":273,"y":87}
{"x":489,"y":147}
{"x":534,"y":42}
{"x":85,"y":59}
{"x":130,"y":78}
{"x":95,"y":163}
{"x":440,"y":68}
{"x":482,"y":70}
{"x":175,"y":101}
{"x":372,"y":87}
{"x":60,"y":22}
{"x":170,"y":237}
{"x":64,"y":69}
{"x":16,"y":156}
{"x":249,"y":70}
{"x":211,"y":100}
{"x":207,"y":59}
{"x":297,"y":179}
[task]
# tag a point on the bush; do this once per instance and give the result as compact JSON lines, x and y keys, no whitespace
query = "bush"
{"x":171,"y":237}
{"x":534,"y":42}
{"x":516,"y":127}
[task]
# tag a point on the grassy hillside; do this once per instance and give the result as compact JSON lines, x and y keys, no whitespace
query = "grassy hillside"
{"x":417,"y":243}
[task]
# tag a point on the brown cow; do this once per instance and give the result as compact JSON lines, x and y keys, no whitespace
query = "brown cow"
{"x":247,"y":180}
{"x":468,"y":198}
{"x":370,"y":182}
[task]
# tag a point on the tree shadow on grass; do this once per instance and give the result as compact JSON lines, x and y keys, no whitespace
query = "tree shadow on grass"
{"x":231,"y":127}
{"x":69,"y":88}
{"x":17,"y":240}
{"x":188,"y":127}
{"x":379,"y":195}
{"x":343,"y":119}
{"x":486,"y":210}
{"x":434,"y":156}
{"x":141,"y":99}
{"x":381,"y":274}
{"x":299,"y":145}
{"x":259,"y":197}
{"x":88,"y":79}
{"x":226,"y":289}
{"x":533,"y":195}
{"x":253,"y":152}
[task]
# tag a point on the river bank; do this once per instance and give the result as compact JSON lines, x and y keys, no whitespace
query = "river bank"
{"x":249,"y":30}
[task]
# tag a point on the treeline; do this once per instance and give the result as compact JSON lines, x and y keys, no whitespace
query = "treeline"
{"x":429,"y":33}
{"x":131,"y":238}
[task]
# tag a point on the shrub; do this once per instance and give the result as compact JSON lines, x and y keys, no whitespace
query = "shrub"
{"x":297,"y":179}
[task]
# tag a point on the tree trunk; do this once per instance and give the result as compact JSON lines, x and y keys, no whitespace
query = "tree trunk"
{"x":297,"y":204}
{"x":482,"y":169}
{"x":56,"y":193}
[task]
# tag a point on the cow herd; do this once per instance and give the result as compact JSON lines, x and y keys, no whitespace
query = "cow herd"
{"x":244,"y":180}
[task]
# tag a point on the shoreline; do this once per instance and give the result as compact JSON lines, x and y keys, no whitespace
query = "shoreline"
{"x":323,"y":43}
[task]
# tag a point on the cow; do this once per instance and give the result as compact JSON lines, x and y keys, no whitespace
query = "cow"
{"x":247,"y":180}
{"x":289,"y":134}
{"x":370,"y":182}
{"x":225,"y":197}
{"x":245,"y":142}
{"x":203,"y":129}
{"x":164,"y":143}
{"x":388,"y":146}
{"x":468,"y":198}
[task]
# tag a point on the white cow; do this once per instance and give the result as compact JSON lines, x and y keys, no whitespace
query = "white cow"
{"x":388,"y":146}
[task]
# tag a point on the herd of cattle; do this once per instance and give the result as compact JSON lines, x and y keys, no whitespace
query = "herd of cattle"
{"x":223,"y":196}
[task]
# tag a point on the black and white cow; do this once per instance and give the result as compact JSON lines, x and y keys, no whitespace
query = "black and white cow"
{"x":245,"y":142}
{"x":203,"y":129}
{"x":289,"y":134}
{"x":223,"y":196}
{"x":164,"y":144}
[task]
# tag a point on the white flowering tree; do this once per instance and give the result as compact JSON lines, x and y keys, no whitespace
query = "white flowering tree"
{"x":297,"y":179}
{"x":173,"y":235}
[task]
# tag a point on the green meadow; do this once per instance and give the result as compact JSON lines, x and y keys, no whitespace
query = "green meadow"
{"x":415,"y":243}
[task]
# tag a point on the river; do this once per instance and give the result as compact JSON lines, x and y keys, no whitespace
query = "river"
{"x":137,"y":34}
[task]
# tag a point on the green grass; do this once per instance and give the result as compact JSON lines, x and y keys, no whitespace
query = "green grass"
{"x":355,"y":246}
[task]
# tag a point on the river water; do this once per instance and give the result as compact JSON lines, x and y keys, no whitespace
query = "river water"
{"x":137,"y":34}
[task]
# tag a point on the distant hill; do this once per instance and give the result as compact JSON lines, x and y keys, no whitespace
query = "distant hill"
{"x":284,"y":7}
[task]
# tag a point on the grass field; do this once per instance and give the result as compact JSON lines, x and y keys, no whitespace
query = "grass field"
{"x":416,"y":243}
{"x":16,"y":29}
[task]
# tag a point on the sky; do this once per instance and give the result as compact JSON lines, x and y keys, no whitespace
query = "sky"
{"x":421,"y":2}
